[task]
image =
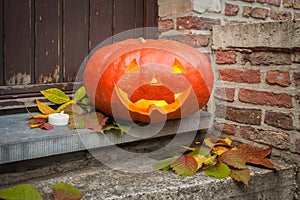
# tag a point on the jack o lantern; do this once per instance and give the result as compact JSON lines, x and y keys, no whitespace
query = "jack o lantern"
{"x":148,"y":80}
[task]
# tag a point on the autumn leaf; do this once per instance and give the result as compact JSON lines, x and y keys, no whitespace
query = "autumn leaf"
{"x":185,"y":166}
{"x":218,"y":150}
{"x":95,"y":121}
{"x":219,"y":171}
{"x":61,"y":107}
{"x":46,"y":126}
{"x":204,"y":160}
{"x":40,"y":116}
{"x":233,"y":158}
{"x":44,"y":108}
{"x":256,"y":155}
{"x":86,"y":101}
{"x":64,"y":191}
{"x":36,"y":122}
{"x":164,"y":164}
{"x":79,"y":94}
{"x":241,"y":175}
{"x":73,"y":109}
{"x":20,"y":192}
{"x":55,"y":95}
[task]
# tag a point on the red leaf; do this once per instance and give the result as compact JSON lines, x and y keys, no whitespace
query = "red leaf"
{"x":37,"y":121}
{"x":95,"y":121}
{"x":185,"y":166}
{"x":46,"y":126}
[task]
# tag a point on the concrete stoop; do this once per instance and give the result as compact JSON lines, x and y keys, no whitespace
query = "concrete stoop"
{"x":102,"y":182}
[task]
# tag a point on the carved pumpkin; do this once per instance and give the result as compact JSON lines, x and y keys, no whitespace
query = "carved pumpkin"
{"x":148,"y":80}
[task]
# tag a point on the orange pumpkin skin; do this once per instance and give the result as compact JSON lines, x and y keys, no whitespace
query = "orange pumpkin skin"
{"x":148,"y":81}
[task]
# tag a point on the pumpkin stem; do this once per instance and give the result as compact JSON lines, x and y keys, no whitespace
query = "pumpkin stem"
{"x":142,"y":40}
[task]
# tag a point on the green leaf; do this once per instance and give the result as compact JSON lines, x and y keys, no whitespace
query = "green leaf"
{"x":55,"y":95}
{"x":163,"y":164}
{"x":86,"y":101}
{"x":120,"y":127}
{"x":233,"y":158}
{"x":64,"y":191}
{"x":242,"y":175}
{"x":79,"y":94}
{"x":185,"y":166}
{"x":20,"y":192}
{"x":219,"y":171}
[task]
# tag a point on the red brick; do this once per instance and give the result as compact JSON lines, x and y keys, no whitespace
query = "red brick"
{"x":259,"y":13}
{"x":280,"y":15}
{"x":229,"y":129}
{"x":198,"y":23}
{"x":279,"y":120}
{"x":265,"y":98}
{"x":240,"y":76}
{"x":273,"y":2}
{"x":296,"y":4}
{"x":261,"y":1}
{"x":267,"y":58}
{"x":226,"y":94}
{"x":276,"y":139}
{"x":231,"y":9}
{"x":287,"y":3}
{"x":225,"y":57}
{"x":165,"y":25}
{"x":280,"y":77}
{"x":246,"y":11}
{"x":240,"y":115}
{"x":296,"y":77}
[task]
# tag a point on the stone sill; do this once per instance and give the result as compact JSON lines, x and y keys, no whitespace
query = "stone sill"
{"x":18,"y":142}
{"x":101,"y":182}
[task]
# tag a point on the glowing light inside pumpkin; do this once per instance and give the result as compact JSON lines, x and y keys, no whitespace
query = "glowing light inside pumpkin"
{"x":133,"y":67}
{"x":177,"y":67}
{"x":146,"y":106}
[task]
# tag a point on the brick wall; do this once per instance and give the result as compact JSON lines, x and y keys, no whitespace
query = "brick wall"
{"x":257,"y":65}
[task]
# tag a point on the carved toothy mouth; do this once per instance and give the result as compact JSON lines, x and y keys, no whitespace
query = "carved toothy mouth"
{"x":146,"y":106}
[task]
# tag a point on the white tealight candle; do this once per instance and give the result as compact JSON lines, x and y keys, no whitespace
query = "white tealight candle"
{"x":58,"y":119}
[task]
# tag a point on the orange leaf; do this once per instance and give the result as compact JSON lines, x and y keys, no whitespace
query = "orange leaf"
{"x":256,"y":155}
{"x":44,"y":108}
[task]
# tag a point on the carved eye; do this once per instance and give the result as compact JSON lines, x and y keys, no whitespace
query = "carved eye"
{"x":133,"y":67}
{"x":177,"y":67}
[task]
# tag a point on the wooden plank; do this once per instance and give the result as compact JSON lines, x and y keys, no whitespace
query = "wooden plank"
{"x":151,"y":18}
{"x":124,"y":18}
{"x":1,"y":42}
{"x":139,"y":18}
{"x":75,"y":36}
{"x":100,"y":22}
{"x":48,"y":41}
{"x":17,"y":42}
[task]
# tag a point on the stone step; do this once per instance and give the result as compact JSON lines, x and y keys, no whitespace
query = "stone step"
{"x":139,"y":182}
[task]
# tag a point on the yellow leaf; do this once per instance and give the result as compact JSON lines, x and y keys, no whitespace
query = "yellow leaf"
{"x":197,"y":142}
{"x":227,"y":141}
{"x":210,"y":160}
{"x":55,"y":95}
{"x":40,"y":116}
{"x":34,"y":125}
{"x":199,"y":158}
{"x":188,"y":148}
{"x":218,"y":152}
{"x":60,"y":108}
{"x":44,"y":108}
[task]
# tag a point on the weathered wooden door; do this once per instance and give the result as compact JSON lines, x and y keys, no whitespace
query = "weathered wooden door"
{"x":43,"y":42}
